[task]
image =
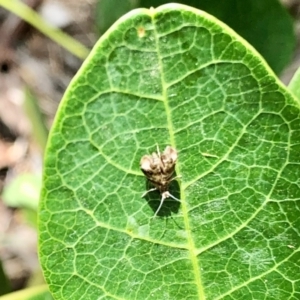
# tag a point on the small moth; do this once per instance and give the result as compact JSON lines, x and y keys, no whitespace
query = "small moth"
{"x":159,"y":169}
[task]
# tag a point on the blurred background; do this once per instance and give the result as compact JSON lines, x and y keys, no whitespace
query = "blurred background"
{"x":35,"y":70}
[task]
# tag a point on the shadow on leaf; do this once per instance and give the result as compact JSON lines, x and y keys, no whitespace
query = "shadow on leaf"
{"x":169,"y":205}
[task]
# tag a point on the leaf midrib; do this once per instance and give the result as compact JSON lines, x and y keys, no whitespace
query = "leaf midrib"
{"x":190,"y":243}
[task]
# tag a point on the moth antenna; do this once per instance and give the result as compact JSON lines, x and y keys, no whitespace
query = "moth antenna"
{"x":176,"y":177}
{"x":151,"y":190}
{"x":157,"y":149}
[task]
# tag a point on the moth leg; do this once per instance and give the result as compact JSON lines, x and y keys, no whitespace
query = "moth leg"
{"x":169,"y":195}
{"x":145,"y":193}
{"x":160,"y":205}
{"x":163,"y":197}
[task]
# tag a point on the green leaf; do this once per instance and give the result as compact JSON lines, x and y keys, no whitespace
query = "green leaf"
{"x":294,"y":85}
{"x":264,"y":24}
{"x":108,"y":11}
{"x":173,"y":76}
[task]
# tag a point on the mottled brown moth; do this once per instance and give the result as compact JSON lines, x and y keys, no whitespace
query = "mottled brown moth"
{"x":159,"y":169}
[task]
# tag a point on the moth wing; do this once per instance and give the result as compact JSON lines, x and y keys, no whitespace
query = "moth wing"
{"x":150,"y":165}
{"x":171,"y":154}
{"x":145,"y":163}
{"x":168,"y":160}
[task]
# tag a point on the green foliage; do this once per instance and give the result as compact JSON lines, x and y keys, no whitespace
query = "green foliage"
{"x":35,"y":293}
{"x":173,"y":76}
{"x":264,"y":24}
{"x":39,"y":128}
{"x":5,"y":285}
{"x":107,"y":12}
{"x":23,"y":191}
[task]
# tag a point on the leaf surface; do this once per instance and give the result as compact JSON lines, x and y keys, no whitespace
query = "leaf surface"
{"x":173,"y":76}
{"x":294,"y":85}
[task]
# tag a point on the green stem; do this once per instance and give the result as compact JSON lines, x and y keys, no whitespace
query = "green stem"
{"x":39,"y":129}
{"x":34,"y":19}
